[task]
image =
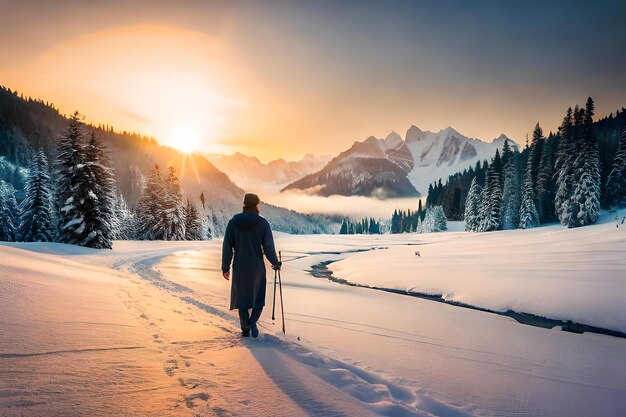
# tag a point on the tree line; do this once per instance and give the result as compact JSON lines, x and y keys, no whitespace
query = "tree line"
{"x":431,"y":220}
{"x":366,"y":226}
{"x":76,"y":200}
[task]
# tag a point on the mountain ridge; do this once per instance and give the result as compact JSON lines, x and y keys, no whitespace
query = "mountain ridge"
{"x":422,"y":158}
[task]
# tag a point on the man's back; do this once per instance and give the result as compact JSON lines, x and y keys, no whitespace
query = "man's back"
{"x":250,"y":236}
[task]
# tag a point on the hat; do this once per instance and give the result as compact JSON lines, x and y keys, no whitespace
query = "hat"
{"x":251,"y":200}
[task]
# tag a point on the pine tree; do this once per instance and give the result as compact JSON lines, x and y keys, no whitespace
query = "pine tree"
{"x":96,"y":194}
{"x":173,"y":207}
{"x":126,"y":221}
{"x":545,"y":190}
{"x":8,"y":212}
{"x":395,"y":222}
{"x":70,"y":159}
{"x":150,"y":207}
{"x":586,"y":195}
{"x":37,"y":208}
{"x":565,"y":168}
{"x":472,"y":206}
{"x":511,"y":194}
{"x":490,"y":211}
{"x":193,"y":225}
{"x":528,"y":217}
{"x":434,"y":221}
{"x":536,"y":146}
{"x":616,"y":181}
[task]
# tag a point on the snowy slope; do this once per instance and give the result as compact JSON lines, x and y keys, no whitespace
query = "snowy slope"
{"x":567,"y":274}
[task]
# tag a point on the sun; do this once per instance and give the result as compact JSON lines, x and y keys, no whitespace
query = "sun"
{"x":185,"y":138}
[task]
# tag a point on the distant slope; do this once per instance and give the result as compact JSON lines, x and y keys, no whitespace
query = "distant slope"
{"x":393,"y":167}
{"x":27,"y":124}
{"x":251,"y":174}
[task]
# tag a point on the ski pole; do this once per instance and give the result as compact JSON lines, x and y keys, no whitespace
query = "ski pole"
{"x":280,"y":286}
{"x":274,"y":301}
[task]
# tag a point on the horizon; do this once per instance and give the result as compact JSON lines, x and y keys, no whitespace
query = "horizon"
{"x":314,"y":78}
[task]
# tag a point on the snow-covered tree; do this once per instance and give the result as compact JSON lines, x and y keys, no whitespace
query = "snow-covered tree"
{"x":150,"y":207}
{"x":616,"y":181}
{"x":537,"y":146}
{"x":434,"y":221}
{"x":126,"y":221}
{"x":565,"y":167}
{"x":37,"y":208}
{"x":8,"y":213}
{"x":174,"y":210}
{"x":193,"y":223}
{"x":511,"y":193}
{"x":472,"y":205}
{"x":490,"y":212}
{"x":586,"y":195}
{"x":70,"y":159}
{"x":96,"y":197}
{"x":544,"y":188}
{"x":528,"y":217}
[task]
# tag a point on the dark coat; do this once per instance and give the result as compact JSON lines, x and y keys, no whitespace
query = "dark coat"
{"x":249,"y":236}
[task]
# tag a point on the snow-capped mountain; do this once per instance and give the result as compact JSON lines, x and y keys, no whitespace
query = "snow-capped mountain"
{"x":439,"y":155}
{"x":396,"y":167}
{"x":251,"y":174}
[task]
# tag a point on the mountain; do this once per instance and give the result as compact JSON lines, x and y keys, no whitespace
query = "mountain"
{"x":251,"y":174}
{"x":441,"y":154}
{"x":374,"y":167}
{"x":396,"y":167}
{"x":27,"y":124}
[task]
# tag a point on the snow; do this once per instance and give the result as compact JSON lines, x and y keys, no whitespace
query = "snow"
{"x":568,"y":274}
{"x":430,"y":148}
{"x":145,"y":329}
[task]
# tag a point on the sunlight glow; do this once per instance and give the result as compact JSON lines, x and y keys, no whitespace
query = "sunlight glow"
{"x":185,"y":138}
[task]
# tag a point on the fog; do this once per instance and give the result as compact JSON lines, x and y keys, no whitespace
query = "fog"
{"x":353,"y":206}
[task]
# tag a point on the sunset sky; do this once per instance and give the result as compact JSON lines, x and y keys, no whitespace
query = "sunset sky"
{"x":280,"y":79}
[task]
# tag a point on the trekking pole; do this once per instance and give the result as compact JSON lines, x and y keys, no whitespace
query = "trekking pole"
{"x":274,"y":301}
{"x":280,"y":286}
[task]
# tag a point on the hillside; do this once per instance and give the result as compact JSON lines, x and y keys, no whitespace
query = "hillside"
{"x":27,"y":124}
{"x":251,"y":174}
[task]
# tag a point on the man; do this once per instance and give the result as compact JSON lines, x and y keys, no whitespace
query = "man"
{"x":249,"y":236}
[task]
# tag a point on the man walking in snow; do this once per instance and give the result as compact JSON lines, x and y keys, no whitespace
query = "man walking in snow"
{"x":249,"y":236}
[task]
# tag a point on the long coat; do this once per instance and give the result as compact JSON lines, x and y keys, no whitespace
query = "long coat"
{"x":249,"y":236}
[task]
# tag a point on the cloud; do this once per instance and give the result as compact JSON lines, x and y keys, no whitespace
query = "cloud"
{"x":351,"y":206}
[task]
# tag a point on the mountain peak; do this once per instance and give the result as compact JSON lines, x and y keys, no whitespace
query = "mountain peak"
{"x":414,"y":134}
{"x":450,"y":131}
{"x":393,"y":138}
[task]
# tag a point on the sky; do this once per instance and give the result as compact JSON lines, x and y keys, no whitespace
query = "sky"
{"x":284,"y":78}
